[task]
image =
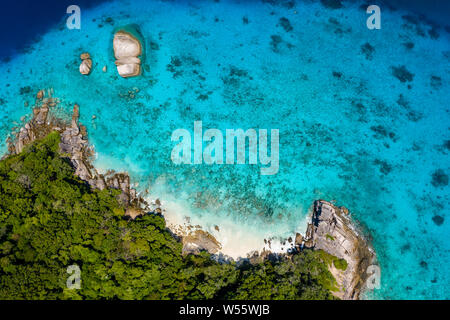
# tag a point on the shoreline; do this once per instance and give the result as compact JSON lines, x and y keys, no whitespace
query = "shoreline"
{"x":331,"y":228}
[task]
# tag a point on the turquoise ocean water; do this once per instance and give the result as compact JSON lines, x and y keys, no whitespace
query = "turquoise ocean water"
{"x":350,"y":129}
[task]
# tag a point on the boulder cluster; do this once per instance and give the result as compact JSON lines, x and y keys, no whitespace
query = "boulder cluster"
{"x":127,"y":49}
{"x":127,"y":52}
{"x":86,"y":63}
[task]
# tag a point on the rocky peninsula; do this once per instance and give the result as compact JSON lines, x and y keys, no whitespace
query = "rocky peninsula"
{"x":330,"y":229}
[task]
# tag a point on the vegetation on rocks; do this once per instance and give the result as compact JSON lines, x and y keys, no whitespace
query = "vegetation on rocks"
{"x":50,"y":219}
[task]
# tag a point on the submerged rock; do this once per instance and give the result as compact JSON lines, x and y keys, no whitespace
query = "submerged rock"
{"x":402,"y":74}
{"x":127,"y":49}
{"x":439,"y":178}
{"x":332,"y":230}
{"x":438,"y":220}
{"x":332,"y":4}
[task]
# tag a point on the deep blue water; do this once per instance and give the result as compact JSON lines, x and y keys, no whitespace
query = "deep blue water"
{"x":353,"y":127}
{"x":24,"y":21}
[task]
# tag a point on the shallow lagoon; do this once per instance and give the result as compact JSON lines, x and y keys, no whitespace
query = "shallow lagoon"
{"x":363,"y":119}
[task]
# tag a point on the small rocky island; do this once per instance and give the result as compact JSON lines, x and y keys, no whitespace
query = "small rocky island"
{"x":127,"y":51}
{"x":331,"y":228}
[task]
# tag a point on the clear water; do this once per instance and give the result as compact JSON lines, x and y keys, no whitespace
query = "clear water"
{"x":347,"y":137}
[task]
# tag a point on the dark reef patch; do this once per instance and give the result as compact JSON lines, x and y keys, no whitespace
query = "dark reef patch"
{"x":178,"y":65}
{"x":385,"y":168}
{"x":289,"y":4}
{"x":439,"y":178}
{"x":401,"y":101}
{"x":435,"y":82}
{"x":402,"y":74}
{"x":382,"y":132}
{"x":337,"y":74}
{"x":236,"y":72}
{"x":238,"y":89}
{"x":433,"y":33}
{"x":337,"y":27}
{"x":285,"y":24}
{"x":245,"y":20}
{"x":413,"y":23}
{"x":438,"y":220}
{"x":408,"y":45}
{"x":405,"y":248}
{"x":25,"y":90}
{"x":197,"y":34}
{"x":414,"y":116}
{"x":108,"y":20}
{"x":367,"y":50}
{"x":447,"y":144}
{"x":276,"y":40}
{"x":332,"y":4}
{"x":154,"y":46}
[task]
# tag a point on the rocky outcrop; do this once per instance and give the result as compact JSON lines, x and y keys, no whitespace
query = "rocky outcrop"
{"x":75,"y":146}
{"x":86,"y":64}
{"x":127,"y":50}
{"x":332,"y":230}
{"x":200,"y":240}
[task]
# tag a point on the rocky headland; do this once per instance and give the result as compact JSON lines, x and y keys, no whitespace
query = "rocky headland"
{"x":74,"y":145}
{"x":331,"y":228}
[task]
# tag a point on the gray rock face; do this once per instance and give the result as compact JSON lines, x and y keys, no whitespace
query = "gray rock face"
{"x":200,"y":240}
{"x":332,"y":230}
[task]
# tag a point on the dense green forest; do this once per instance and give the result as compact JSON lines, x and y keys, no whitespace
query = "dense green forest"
{"x":50,"y":219}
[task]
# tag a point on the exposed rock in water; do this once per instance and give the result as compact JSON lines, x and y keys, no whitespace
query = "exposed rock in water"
{"x":298,"y":239}
{"x":332,"y":230}
{"x":40,"y":95}
{"x":127,"y":49}
{"x":86,"y":64}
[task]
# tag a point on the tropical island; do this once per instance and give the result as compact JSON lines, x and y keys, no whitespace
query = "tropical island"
{"x":56,"y":210}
